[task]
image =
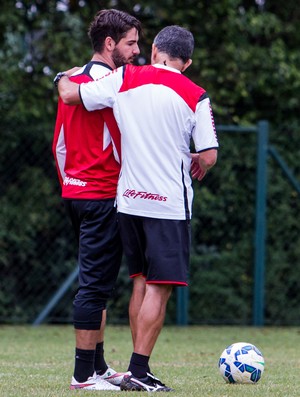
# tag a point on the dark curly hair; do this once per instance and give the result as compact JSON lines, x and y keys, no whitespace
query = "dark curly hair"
{"x":111,"y":23}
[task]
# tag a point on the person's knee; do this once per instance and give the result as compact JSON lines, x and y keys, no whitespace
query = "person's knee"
{"x":139,"y":285}
{"x":169,"y":290}
{"x":163,"y":291}
{"x":88,"y":315}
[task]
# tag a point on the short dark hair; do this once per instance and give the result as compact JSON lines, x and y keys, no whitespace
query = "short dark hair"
{"x":176,"y":42}
{"x":111,"y":23}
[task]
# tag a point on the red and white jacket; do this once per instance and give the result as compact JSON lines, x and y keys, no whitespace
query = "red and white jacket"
{"x":86,"y":145}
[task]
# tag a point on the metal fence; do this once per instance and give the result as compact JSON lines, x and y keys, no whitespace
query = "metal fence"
{"x":38,"y":274}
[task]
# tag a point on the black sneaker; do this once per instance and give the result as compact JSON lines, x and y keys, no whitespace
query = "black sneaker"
{"x":149,"y":383}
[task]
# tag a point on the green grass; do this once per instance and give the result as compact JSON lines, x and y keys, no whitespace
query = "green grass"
{"x":38,"y":361}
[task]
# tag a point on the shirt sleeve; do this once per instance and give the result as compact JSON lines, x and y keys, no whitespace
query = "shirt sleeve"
{"x":204,"y":134}
{"x":101,"y":93}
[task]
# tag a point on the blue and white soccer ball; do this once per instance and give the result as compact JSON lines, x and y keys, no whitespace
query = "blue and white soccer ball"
{"x":241,"y":363}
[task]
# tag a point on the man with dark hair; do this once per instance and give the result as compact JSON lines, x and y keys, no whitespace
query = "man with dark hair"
{"x":158,"y":111}
{"x":86,"y":148}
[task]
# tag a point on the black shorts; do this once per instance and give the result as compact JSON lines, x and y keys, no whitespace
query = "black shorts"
{"x":99,"y":257}
{"x":158,"y":249}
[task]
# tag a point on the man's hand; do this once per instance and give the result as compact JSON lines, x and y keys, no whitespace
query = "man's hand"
{"x":72,"y":71}
{"x":202,"y":162}
{"x":197,"y":171}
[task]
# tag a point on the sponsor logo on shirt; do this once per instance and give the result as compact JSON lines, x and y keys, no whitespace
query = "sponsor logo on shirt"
{"x":74,"y":182}
{"x":131,"y":193}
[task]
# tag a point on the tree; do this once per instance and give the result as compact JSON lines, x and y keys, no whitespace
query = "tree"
{"x":246,"y":57}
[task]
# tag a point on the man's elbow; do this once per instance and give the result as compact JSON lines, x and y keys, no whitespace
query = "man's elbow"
{"x":68,"y":97}
{"x":69,"y":92}
{"x":211,"y":162}
{"x":209,"y":159}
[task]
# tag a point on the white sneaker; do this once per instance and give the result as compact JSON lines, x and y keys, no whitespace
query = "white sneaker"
{"x":94,"y":382}
{"x":113,"y":377}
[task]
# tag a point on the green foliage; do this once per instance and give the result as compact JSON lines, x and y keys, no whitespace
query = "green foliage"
{"x":247,"y":58}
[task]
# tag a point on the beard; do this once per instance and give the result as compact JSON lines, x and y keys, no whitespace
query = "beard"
{"x":119,"y":59}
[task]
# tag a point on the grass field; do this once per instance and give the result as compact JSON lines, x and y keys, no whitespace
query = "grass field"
{"x":38,"y":361}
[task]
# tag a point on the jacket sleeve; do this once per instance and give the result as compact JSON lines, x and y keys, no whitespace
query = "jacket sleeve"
{"x":204,"y":133}
{"x":102,"y":93}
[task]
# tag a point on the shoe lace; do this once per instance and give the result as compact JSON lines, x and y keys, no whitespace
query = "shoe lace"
{"x":155,"y":380}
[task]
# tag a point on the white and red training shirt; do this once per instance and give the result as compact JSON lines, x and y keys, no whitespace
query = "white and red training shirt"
{"x":86,"y":145}
{"x":158,"y":111}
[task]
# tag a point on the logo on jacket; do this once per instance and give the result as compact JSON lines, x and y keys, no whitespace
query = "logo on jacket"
{"x":131,"y":193}
{"x":74,"y":182}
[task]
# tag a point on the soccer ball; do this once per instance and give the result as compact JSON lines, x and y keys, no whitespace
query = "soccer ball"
{"x":241,"y":363}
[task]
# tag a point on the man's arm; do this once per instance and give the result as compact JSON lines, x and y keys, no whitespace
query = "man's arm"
{"x":205,"y":140}
{"x":208,"y":158}
{"x":93,"y":95}
{"x":202,"y":162}
{"x":68,"y":91}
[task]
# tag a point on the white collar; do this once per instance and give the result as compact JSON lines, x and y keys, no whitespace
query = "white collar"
{"x":159,"y":65}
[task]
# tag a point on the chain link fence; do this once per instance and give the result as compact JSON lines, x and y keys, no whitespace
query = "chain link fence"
{"x":38,"y":252}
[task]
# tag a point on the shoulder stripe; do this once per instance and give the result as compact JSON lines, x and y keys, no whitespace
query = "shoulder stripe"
{"x":137,"y":76}
{"x":203,"y":96}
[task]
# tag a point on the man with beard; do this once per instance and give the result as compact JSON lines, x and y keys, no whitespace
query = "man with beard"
{"x":86,"y":147}
{"x":159,"y":111}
